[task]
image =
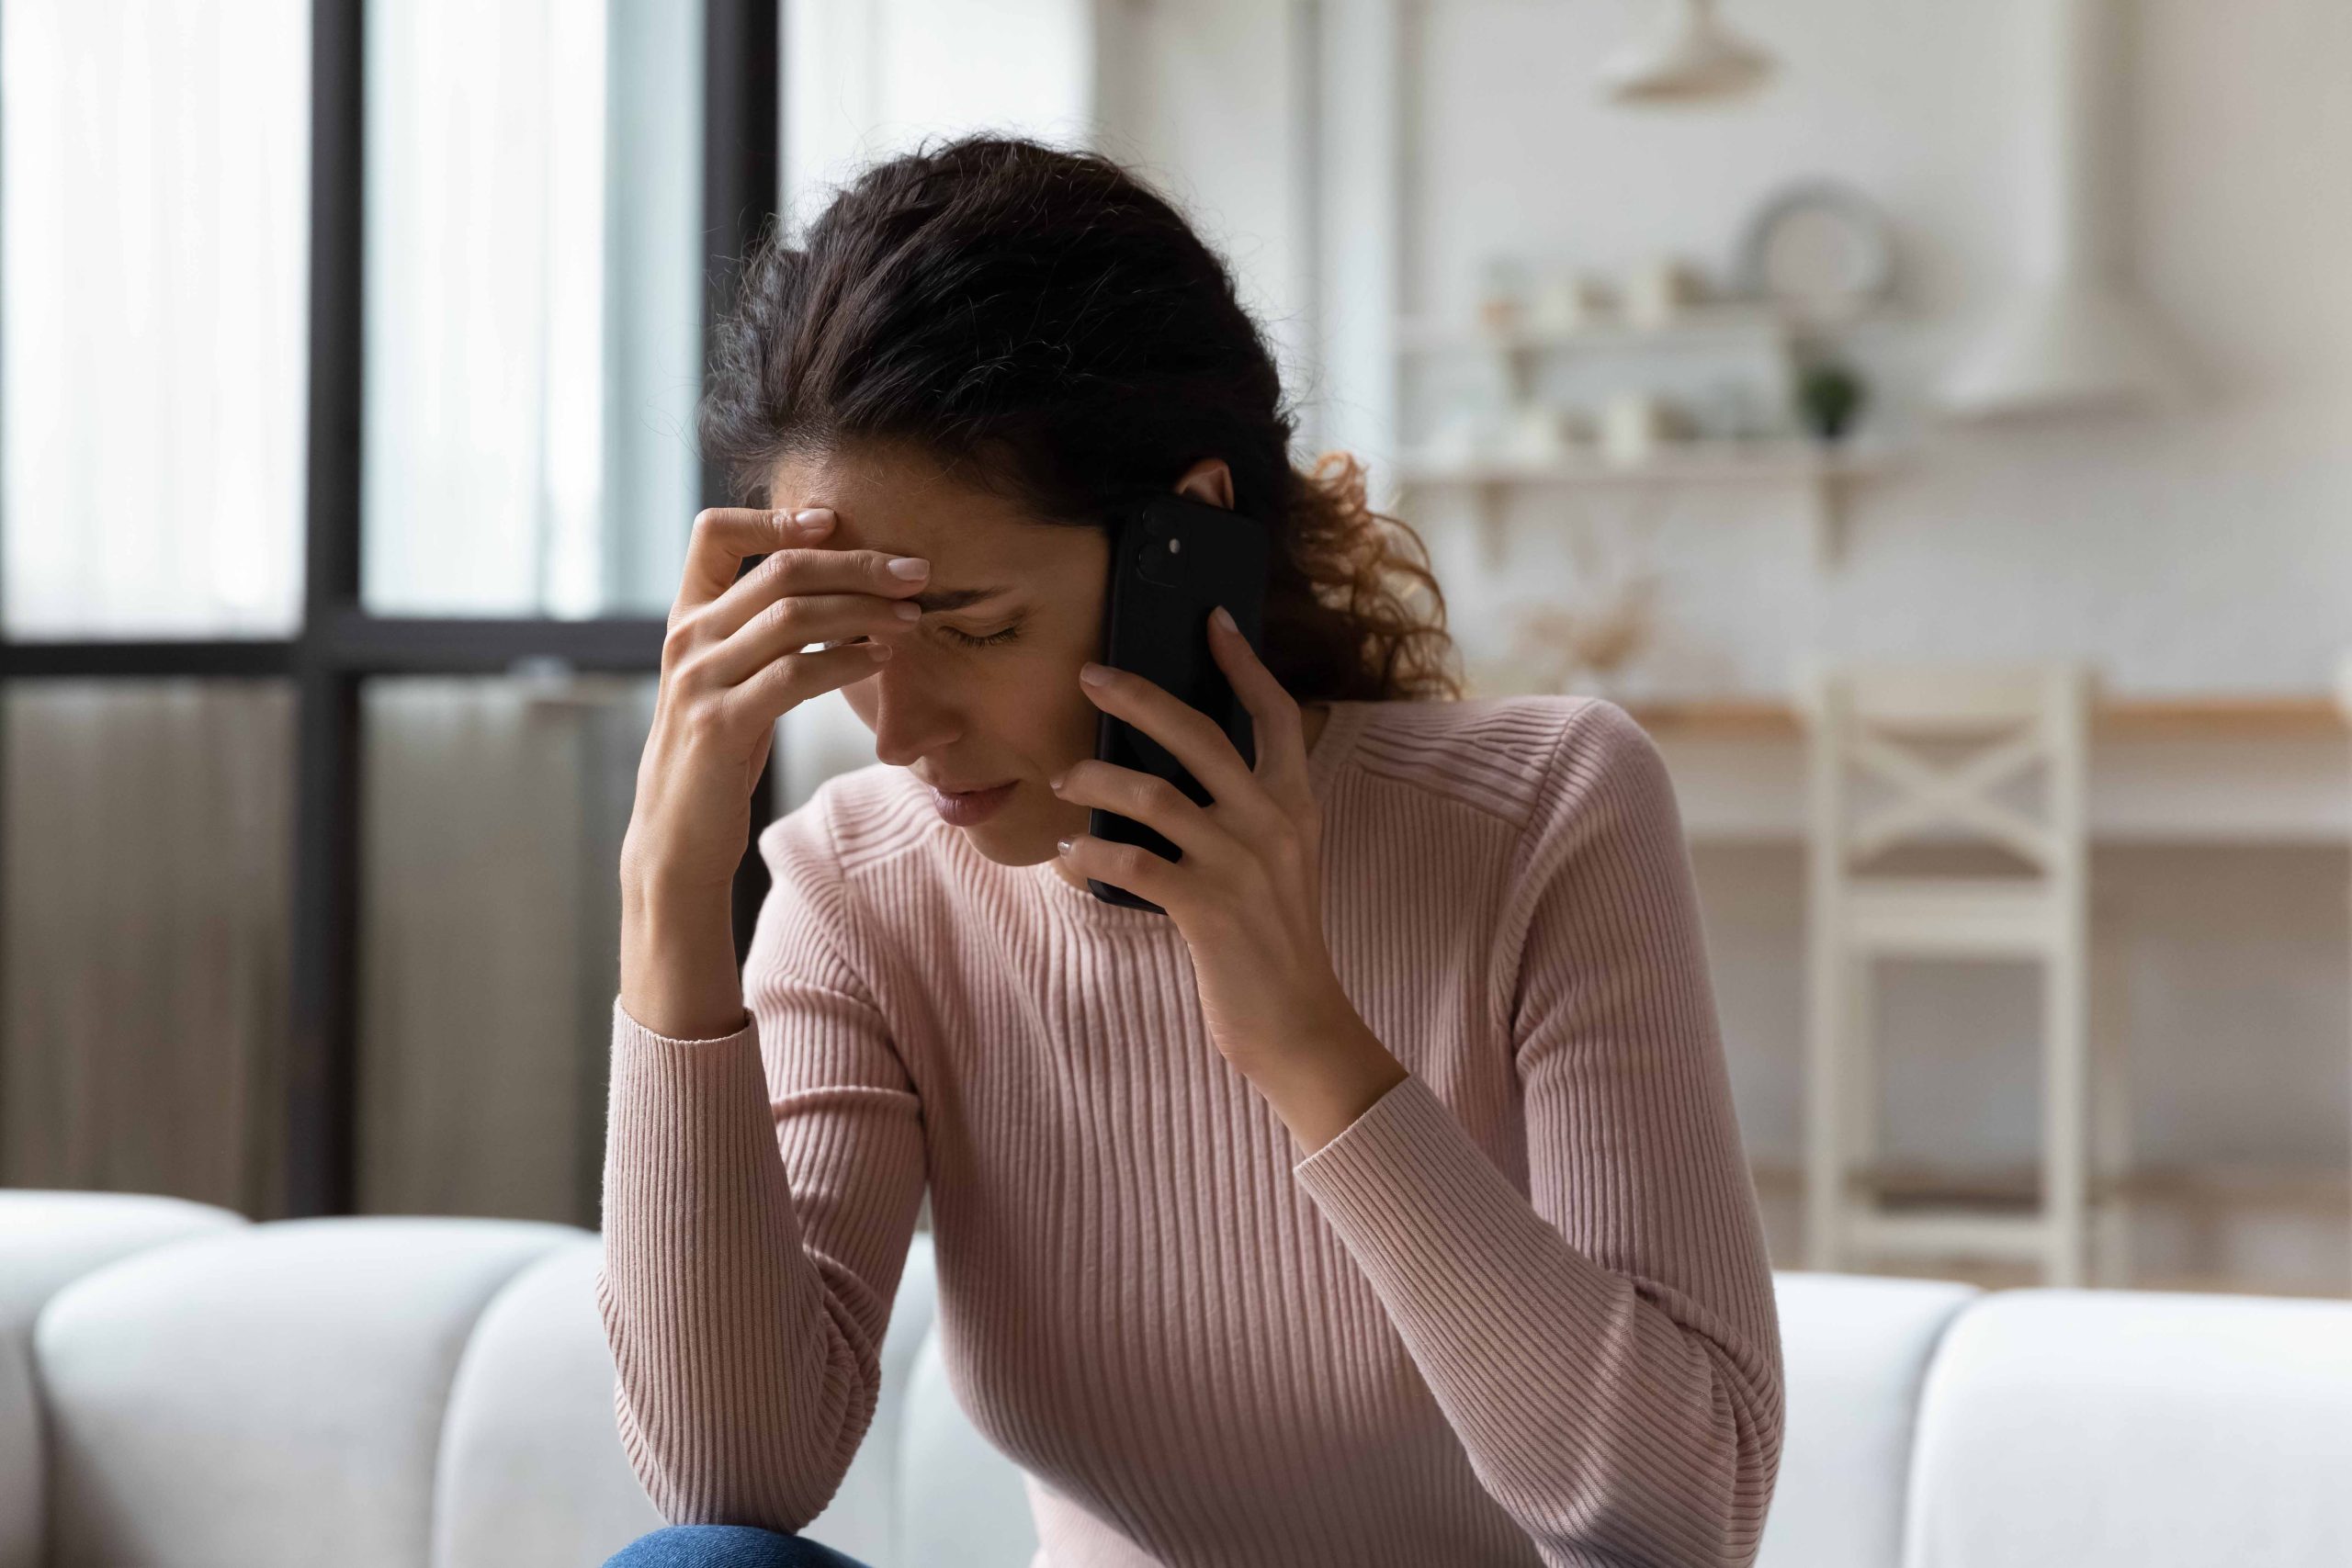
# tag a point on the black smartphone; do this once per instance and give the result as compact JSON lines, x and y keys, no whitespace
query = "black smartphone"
{"x":1172,"y":560}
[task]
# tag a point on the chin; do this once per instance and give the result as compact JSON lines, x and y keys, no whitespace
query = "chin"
{"x":1011,"y":843}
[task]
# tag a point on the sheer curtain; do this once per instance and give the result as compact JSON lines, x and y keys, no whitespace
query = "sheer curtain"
{"x":154,"y":208}
{"x":143,"y":938}
{"x":494,"y":814}
{"x":154,"y":168}
{"x":534,"y":305}
{"x":534,"y":272}
{"x":534,"y":266}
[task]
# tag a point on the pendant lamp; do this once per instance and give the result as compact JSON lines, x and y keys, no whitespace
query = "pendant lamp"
{"x":1696,"y":60}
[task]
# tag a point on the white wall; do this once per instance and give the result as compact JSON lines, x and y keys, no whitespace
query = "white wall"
{"x":866,"y":79}
{"x":2207,"y":552}
{"x":1209,"y":100}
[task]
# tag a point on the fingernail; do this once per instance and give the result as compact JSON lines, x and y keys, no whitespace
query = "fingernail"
{"x":816,"y":520}
{"x":1093,"y":674}
{"x":1061,"y":846}
{"x":1223,"y":619}
{"x":1056,"y":781}
{"x":910,"y":567}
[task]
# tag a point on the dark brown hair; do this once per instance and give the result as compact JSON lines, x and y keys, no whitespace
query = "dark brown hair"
{"x":1044,"y":322}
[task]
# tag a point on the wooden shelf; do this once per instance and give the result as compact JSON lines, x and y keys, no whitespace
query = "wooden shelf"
{"x":1677,"y":462}
{"x":1744,"y":323}
{"x":1825,"y":472}
{"x":1694,"y":324}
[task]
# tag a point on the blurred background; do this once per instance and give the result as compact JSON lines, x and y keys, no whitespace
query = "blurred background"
{"x":1932,"y":422}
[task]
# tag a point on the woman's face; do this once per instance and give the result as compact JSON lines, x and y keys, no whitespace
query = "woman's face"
{"x":959,"y":712}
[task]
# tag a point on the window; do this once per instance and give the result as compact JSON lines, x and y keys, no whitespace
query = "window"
{"x":348,"y":356}
{"x":153,"y":246}
{"x":534,"y":302}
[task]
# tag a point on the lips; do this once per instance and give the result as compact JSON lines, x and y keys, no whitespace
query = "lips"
{"x":968,"y":809}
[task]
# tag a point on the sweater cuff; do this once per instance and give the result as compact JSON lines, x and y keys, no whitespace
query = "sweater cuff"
{"x":625,"y":1028}
{"x":681,"y":1096}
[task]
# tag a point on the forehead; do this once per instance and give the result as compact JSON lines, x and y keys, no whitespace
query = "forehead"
{"x":887,"y":497}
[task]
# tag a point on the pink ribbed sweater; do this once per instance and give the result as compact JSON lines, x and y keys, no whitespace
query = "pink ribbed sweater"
{"x":1517,"y":1311}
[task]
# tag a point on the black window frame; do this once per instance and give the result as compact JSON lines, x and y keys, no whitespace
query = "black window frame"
{"x":338,"y":644}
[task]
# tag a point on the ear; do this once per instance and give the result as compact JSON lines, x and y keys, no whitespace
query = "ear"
{"x":1208,"y":481}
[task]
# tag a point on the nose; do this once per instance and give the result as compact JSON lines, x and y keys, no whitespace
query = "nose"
{"x":910,"y":721}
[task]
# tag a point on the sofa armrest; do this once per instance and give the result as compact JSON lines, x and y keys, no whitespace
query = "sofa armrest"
{"x":48,"y":1240}
{"x":269,"y":1397}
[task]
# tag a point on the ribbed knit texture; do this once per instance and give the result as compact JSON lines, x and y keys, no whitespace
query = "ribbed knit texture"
{"x":1518,"y":1311}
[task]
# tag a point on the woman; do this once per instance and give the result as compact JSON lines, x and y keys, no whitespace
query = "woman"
{"x":1380,"y":1202}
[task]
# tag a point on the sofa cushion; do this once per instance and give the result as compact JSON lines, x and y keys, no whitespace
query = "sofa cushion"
{"x":47,"y":1241}
{"x":1856,"y":1350}
{"x":962,"y":1500}
{"x":272,"y":1397}
{"x":2136,"y":1430}
{"x":862,"y":1520}
{"x":532,"y":1472}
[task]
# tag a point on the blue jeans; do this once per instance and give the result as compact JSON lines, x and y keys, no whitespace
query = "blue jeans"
{"x":726,"y":1546}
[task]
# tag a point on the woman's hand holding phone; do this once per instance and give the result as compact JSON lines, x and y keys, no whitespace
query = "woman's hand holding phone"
{"x":1247,"y":895}
{"x":737,"y":658}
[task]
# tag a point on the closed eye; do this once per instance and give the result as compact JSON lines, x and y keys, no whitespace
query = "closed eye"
{"x":1007,"y":635}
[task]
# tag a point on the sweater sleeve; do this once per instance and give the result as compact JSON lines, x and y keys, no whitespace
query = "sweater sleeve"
{"x":1605,"y":1344}
{"x":760,"y":1193}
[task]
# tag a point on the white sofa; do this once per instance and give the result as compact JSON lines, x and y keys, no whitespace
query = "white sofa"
{"x":181,"y":1389}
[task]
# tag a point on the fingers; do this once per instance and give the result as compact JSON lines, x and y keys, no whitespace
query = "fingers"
{"x":1149,"y":799}
{"x":739,"y":638}
{"x":1192,"y":737}
{"x":782,"y":684}
{"x":1138,"y":870}
{"x":1277,"y":727}
{"x":786,"y":626}
{"x":722,"y":537}
{"x":807,"y":566}
{"x":800,"y":593}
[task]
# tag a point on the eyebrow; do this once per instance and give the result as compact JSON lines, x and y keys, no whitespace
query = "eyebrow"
{"x":955,"y":598}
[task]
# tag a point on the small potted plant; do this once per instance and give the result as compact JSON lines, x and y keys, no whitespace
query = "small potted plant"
{"x":1830,"y":396}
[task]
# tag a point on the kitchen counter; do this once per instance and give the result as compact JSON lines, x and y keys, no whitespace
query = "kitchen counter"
{"x":2256,"y":769}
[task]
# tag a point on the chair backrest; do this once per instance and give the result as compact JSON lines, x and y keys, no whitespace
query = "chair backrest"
{"x":1890,"y":722}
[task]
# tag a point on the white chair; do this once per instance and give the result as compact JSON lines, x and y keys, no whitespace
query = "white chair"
{"x":1891,"y":722}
